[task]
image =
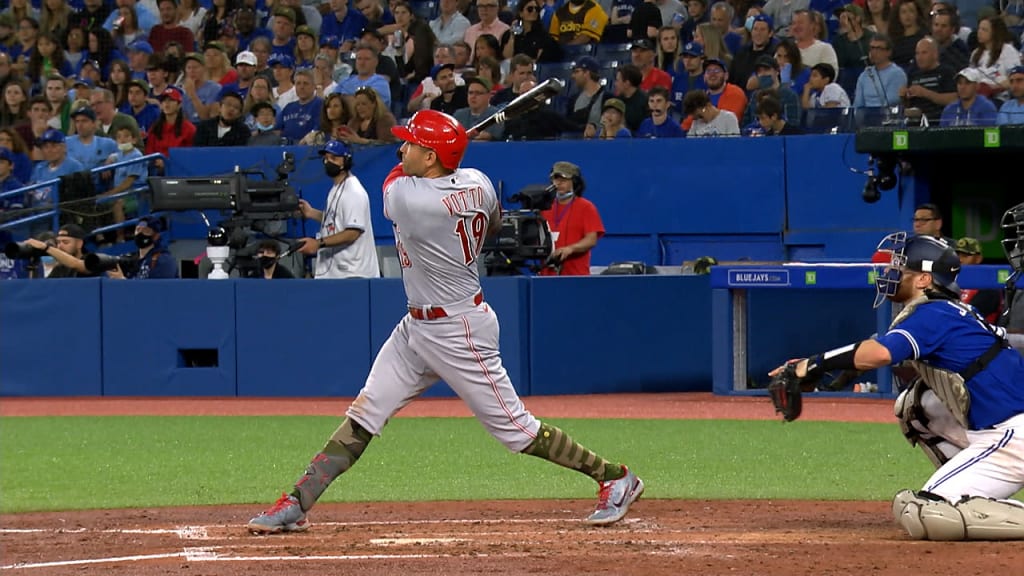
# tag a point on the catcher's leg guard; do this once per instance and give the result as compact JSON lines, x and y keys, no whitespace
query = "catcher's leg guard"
{"x":928,"y":424}
{"x":973,"y":518}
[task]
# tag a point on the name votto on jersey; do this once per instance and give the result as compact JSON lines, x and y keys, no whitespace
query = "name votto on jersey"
{"x":464,"y":201}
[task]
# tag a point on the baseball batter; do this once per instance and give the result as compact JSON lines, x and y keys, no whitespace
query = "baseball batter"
{"x":441,"y":214}
{"x":966,"y":408}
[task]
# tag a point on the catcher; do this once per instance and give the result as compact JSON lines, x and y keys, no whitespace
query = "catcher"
{"x":966,"y":409}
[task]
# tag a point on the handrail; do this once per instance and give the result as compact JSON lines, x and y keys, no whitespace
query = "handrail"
{"x":55,"y":196}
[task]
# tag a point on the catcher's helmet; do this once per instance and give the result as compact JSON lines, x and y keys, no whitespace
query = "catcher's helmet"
{"x":1013,"y":236}
{"x":437,"y":131}
{"x":918,"y":253}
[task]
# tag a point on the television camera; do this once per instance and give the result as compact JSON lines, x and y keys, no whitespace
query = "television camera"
{"x":524,"y":242}
{"x":250,"y":204}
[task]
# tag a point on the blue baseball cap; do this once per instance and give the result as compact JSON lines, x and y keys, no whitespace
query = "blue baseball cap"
{"x":229,"y":91}
{"x":715,"y":62}
{"x":153,"y":223}
{"x":282,"y":60}
{"x":331,"y":41}
{"x":588,"y":63}
{"x":437,"y":69}
{"x":336,"y":148}
{"x":81,"y":81}
{"x":693,"y":49}
{"x":6,"y":154}
{"x":763,"y":18}
{"x":141,"y":46}
{"x":1016,"y":70}
{"x":51,"y":135}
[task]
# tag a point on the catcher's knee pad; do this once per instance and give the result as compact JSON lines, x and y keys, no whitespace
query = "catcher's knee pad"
{"x":973,"y":518}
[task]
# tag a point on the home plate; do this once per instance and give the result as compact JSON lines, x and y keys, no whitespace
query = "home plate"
{"x":414,"y":541}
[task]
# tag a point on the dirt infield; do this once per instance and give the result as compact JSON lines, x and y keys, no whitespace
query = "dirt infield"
{"x":502,"y":537}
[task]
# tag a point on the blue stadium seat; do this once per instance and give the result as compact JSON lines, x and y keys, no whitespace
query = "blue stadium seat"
{"x":866,"y":117}
{"x":425,"y":9}
{"x":560,"y":70}
{"x":824,"y":120}
{"x":570,"y":53}
{"x":847,"y":78}
{"x":613,"y":53}
{"x":608,"y":70}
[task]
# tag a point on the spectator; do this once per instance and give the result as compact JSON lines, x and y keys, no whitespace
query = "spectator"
{"x":772,"y":120}
{"x":284,"y":69}
{"x":450,"y":25}
{"x":714,"y":47}
{"x":227,"y":128}
{"x":627,"y":89}
{"x":930,"y":85}
{"x":783,"y":14}
{"x":489,"y":68}
{"x":263,"y":118}
{"x":822,"y":91}
{"x":92,"y":14}
{"x":463,"y":56}
{"x":103,"y":52}
{"x":158,"y":74}
{"x":521,"y":72}
{"x":260,"y":46}
{"x":56,"y":92}
{"x":642,"y":54}
{"x":125,"y":177}
{"x":120,"y":74}
{"x":812,"y":50}
{"x":47,"y":59}
{"x":529,"y":36}
{"x":245,"y":65}
{"x":697,"y":11}
{"x":323,"y":74}
{"x":660,"y":124}
{"x":878,"y":14}
{"x":372,"y":121}
{"x":1012,"y":112}
{"x":155,"y":262}
{"x":39,"y":112}
{"x":74,"y":47}
{"x":146,"y":19}
{"x":953,"y":52}
{"x":344,"y":24}
{"x":8,"y":183}
{"x":668,"y":48}
{"x":767,"y":71}
{"x":344,"y":246}
{"x":268,"y":256}
{"x":170,"y":29}
{"x":453,"y":97}
{"x":486,"y":47}
{"x":645,"y":21}
{"x":574,"y":222}
{"x":879,"y":84}
{"x":139,"y":107}
{"x":300,"y":117}
{"x":721,"y":93}
{"x":260,"y":92}
{"x":673,"y":13}
{"x":21,"y":50}
{"x":707,"y":119}
{"x":85,"y":146}
{"x":928,"y":222}
{"x":988,"y":303}
{"x":428,"y":90}
{"x":13,"y":141}
{"x":792,"y":70}
{"x":853,"y":41}
{"x":335,"y":115}
{"x":68,"y":251}
{"x":306,"y":47}
{"x":722,"y":15}
{"x":171,"y":130}
{"x":14,"y":108}
{"x":489,"y":23}
{"x":127,"y":30}
{"x":585,"y":111}
{"x":994,"y":57}
{"x":479,"y":90}
{"x":283,"y":28}
{"x":386,"y":65}
{"x":971,"y":108}
{"x":218,"y":64}
{"x":191,"y":15}
{"x":200,"y":94}
{"x":366,"y":75}
{"x":55,"y":164}
{"x":613,"y":114}
{"x":689,"y":74}
{"x":762,"y":43}
{"x":907,"y":25}
{"x":108,"y":119}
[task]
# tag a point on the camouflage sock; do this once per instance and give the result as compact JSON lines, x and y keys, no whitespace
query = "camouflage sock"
{"x":339,"y":454}
{"x":556,"y":446}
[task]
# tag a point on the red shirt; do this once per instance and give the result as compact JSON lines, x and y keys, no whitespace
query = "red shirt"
{"x":168,"y":139}
{"x":656,"y":77}
{"x":570,"y":223}
{"x":160,"y":35}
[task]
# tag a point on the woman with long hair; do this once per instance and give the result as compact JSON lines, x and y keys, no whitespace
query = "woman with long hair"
{"x":792,"y":72}
{"x":323,"y":75}
{"x":334,"y":118}
{"x":171,"y":130}
{"x":306,"y":47}
{"x":120,"y":74}
{"x":101,"y":49}
{"x":54,"y":17}
{"x":126,"y":28}
{"x":25,"y":44}
{"x":10,"y":139}
{"x":668,"y":48}
{"x":218,"y":66}
{"x":14,"y":105}
{"x":20,"y":9}
{"x":259,"y":91}
{"x":486,"y":45}
{"x":418,"y":47}
{"x":714,"y":45}
{"x":191,"y":15}
{"x":74,"y":46}
{"x":220,"y":14}
{"x":877,"y":13}
{"x":529,"y":36}
{"x":490,"y":68}
{"x":907,"y":25}
{"x":372,"y":121}
{"x":47,"y":59}
{"x":994,"y":57}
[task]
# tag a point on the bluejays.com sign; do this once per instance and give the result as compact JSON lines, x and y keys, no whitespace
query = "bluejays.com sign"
{"x":754,"y":277}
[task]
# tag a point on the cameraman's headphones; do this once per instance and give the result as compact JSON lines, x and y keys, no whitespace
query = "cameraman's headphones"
{"x":338,"y":148}
{"x":578,"y":185}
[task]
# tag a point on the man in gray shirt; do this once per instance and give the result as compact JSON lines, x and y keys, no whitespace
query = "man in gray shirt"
{"x":479,"y":95}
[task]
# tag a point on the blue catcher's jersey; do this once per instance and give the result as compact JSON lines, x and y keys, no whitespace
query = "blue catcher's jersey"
{"x":945,"y":334}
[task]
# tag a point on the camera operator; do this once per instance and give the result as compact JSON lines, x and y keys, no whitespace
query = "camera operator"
{"x":154,"y":262}
{"x":344,"y":247}
{"x":68,"y":251}
{"x":575,"y":223}
{"x":268,"y":256}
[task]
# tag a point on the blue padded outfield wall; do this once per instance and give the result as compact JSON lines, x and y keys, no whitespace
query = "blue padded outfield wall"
{"x":662,"y":201}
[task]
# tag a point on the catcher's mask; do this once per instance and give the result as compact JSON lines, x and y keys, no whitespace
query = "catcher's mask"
{"x":1013,"y":236}
{"x":898,"y":252}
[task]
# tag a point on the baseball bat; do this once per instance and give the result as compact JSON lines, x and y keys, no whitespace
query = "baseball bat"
{"x":530,"y":100}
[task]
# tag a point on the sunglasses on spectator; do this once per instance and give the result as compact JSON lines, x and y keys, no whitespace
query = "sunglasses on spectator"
{"x":531,"y":9}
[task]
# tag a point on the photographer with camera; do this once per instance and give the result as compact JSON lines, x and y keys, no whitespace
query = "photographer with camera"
{"x":575,"y":223}
{"x":344,"y":247}
{"x":68,"y":250}
{"x":154,"y":261}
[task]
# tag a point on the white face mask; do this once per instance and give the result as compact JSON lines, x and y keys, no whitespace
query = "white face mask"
{"x":125,"y":147}
{"x":263,"y":128}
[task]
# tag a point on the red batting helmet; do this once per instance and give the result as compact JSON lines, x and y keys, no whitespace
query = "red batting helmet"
{"x":437,"y":131}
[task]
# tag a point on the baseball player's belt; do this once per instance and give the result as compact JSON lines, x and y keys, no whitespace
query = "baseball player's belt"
{"x":436,"y":312}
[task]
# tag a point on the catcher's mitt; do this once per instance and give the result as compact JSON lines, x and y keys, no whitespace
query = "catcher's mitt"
{"x":786,"y":393}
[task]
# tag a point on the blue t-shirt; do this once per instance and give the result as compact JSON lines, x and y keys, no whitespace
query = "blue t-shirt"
{"x":298,"y":119}
{"x":234,"y":87}
{"x":378,"y":82}
{"x":1012,"y":112}
{"x":11,"y":202}
{"x":158,"y":264}
{"x":145,"y":118}
{"x":947,"y":335}
{"x":92,"y":154}
{"x":44,"y":172}
{"x":683,"y":83}
{"x":981,"y":113}
{"x":286,"y":50}
{"x":208,"y":93}
{"x":348,"y":29}
{"x":246,"y":39}
{"x":667,"y":129}
{"x":138,"y":170}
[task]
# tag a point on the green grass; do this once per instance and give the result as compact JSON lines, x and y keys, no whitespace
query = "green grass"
{"x":90,"y":462}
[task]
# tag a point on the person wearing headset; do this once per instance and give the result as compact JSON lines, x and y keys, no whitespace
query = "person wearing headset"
{"x":574,"y":222}
{"x":344,"y":247}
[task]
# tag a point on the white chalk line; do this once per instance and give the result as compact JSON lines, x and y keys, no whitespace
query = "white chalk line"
{"x":207,"y":555}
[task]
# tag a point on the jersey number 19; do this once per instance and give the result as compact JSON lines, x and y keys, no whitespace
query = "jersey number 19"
{"x":471,"y":235}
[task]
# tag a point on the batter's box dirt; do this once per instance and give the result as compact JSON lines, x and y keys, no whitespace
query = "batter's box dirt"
{"x":669,"y":537}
